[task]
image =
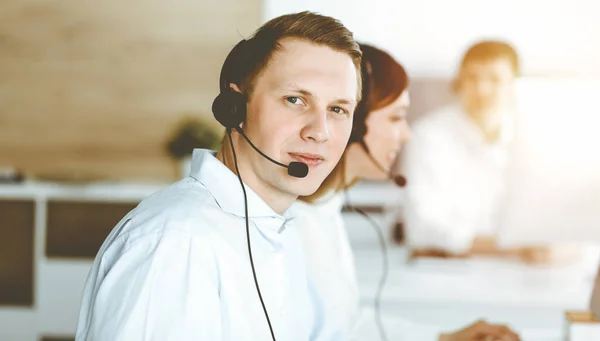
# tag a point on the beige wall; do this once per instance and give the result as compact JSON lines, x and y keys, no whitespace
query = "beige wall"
{"x":96,"y":87}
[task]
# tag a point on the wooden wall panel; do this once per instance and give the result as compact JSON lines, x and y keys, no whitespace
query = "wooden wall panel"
{"x":96,"y":87}
{"x":17,"y":252}
{"x":77,"y":229}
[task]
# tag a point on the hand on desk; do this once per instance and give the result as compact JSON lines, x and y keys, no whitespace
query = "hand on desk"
{"x":480,"y":246}
{"x":487,"y":246}
{"x":540,"y":255}
{"x":435,"y":253}
{"x":484,"y":245}
{"x":482,"y":331}
{"x":535,"y":255}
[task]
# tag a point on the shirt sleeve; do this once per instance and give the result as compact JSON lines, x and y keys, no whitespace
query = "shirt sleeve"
{"x":163,"y":287}
{"x":435,"y":216}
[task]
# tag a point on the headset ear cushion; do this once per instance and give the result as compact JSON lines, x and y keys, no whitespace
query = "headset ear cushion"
{"x":229,"y":109}
{"x":359,"y":126}
{"x":358,"y":133}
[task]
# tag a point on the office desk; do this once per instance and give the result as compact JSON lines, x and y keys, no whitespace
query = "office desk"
{"x":454,"y":293}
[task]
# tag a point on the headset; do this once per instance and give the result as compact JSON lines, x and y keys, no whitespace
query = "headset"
{"x":359,"y":130}
{"x":359,"y":125}
{"x":229,"y":109}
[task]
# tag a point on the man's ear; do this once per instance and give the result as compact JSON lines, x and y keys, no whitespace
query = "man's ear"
{"x":235,"y":88}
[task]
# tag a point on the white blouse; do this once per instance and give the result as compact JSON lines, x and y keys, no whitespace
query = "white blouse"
{"x":330,"y":266}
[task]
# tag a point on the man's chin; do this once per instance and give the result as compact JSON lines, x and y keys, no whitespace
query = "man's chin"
{"x":304,"y":188}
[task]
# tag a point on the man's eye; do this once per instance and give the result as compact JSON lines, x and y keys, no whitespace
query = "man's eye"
{"x":294,"y":100}
{"x":339,"y":110}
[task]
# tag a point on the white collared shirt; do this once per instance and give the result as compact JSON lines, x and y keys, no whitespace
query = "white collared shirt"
{"x":455,"y":180}
{"x":330,"y":265}
{"x":329,"y":258}
{"x":177,"y":268}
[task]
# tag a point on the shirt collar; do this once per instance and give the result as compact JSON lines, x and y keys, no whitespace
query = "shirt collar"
{"x":225,"y":187}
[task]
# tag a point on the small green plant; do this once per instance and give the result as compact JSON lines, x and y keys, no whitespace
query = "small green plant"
{"x":193,"y":133}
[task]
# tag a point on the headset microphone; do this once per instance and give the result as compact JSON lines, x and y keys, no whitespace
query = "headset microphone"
{"x":295,"y":169}
{"x":399,"y":180}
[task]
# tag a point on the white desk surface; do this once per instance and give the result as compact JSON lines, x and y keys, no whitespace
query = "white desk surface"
{"x":454,"y":293}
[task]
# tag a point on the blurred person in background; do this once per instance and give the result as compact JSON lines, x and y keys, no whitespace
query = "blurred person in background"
{"x":379,"y":131}
{"x":456,"y":161}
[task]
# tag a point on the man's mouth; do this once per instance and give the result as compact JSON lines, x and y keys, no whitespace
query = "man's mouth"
{"x":310,"y":160}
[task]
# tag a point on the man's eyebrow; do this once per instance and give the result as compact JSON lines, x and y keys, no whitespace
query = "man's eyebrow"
{"x":304,"y":92}
{"x":345,"y":101}
{"x":296,"y":88}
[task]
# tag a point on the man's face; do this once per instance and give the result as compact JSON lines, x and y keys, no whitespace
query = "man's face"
{"x":486,"y":85}
{"x":300,"y":109}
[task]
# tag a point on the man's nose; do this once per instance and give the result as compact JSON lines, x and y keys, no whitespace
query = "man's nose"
{"x":316,"y":129}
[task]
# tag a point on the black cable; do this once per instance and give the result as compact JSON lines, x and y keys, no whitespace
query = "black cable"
{"x":384,"y":275}
{"x":248,"y":234}
{"x":241,"y":132}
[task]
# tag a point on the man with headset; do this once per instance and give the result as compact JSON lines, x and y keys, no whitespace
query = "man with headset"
{"x":214,"y":256}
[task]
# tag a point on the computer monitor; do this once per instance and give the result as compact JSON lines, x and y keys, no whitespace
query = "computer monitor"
{"x":553,"y":176}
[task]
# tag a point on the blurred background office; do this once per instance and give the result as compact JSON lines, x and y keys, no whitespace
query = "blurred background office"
{"x":101,"y":104}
